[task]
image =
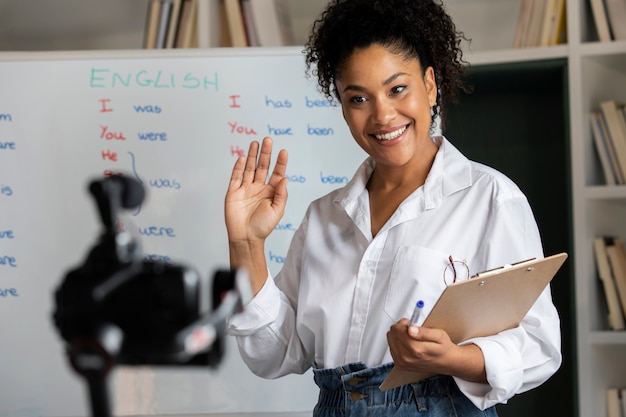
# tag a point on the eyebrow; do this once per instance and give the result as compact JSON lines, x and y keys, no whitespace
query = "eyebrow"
{"x":386,"y":82}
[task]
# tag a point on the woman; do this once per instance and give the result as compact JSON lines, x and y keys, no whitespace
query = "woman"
{"x":366,"y":252}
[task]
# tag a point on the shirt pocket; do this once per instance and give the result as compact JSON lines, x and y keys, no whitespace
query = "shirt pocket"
{"x":416,"y":274}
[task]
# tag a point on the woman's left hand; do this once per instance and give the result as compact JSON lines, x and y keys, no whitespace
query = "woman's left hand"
{"x":431,"y":351}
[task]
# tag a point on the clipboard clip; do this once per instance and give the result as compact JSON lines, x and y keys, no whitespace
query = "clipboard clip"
{"x":506,"y":266}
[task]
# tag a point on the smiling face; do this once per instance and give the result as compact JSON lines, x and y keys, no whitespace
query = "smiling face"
{"x":386,"y":100}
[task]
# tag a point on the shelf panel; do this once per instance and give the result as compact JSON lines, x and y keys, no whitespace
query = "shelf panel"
{"x":590,"y":49}
{"x":605,"y":192}
{"x":607,"y":337}
{"x":510,"y":55}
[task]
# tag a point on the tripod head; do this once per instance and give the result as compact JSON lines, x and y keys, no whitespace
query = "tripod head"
{"x":118,"y":308}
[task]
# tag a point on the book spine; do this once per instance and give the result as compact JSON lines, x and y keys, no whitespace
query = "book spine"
{"x":615,"y":317}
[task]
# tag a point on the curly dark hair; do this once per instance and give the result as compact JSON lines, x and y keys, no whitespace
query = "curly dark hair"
{"x":413,"y":28}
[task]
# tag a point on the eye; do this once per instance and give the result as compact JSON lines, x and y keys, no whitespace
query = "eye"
{"x":397,"y":89}
{"x":357,"y":99}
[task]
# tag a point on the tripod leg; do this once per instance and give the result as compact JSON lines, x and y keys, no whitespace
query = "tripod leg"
{"x":93,"y":358}
{"x":99,"y":397}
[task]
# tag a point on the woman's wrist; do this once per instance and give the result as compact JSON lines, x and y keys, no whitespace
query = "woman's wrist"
{"x":250,"y":255}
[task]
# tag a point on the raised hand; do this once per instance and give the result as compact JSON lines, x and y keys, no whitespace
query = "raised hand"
{"x":253,"y":207}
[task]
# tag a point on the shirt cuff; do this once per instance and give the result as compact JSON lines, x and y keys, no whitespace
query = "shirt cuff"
{"x":259,"y":313}
{"x":504,"y":375}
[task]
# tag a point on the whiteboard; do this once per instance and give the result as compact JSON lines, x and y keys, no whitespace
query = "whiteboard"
{"x":176,"y":120}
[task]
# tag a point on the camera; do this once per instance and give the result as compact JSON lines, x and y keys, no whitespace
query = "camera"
{"x":119,"y":308}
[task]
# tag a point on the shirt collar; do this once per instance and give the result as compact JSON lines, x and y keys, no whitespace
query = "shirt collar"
{"x":450,"y":172}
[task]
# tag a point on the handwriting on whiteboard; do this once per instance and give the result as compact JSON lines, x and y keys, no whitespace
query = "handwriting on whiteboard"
{"x":116,"y":138}
{"x":9,"y":292}
{"x":157,"y":79}
{"x":9,"y":146}
{"x":6,"y":145}
{"x":7,"y":261}
{"x":7,"y":234}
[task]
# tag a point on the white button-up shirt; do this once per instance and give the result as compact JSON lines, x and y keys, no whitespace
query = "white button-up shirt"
{"x":341,"y":289}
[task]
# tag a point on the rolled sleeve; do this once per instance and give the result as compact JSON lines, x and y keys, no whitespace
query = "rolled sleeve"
{"x":266,"y":336}
{"x":259,"y":313}
{"x":518,"y":359}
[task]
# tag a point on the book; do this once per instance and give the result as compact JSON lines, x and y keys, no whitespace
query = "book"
{"x":249,"y":23}
{"x":616,"y":11}
{"x":616,"y":126}
{"x":164,"y":19}
{"x":283,"y":14}
{"x":605,"y":274}
{"x":172,"y":27}
{"x":235,"y":23}
{"x":152,"y":24}
{"x":523,"y":22}
{"x":549,"y":19}
{"x":620,"y":176}
{"x":209,"y":23}
{"x":602,"y":146}
{"x":558,"y":32}
{"x":264,"y":16}
{"x":187,"y":24}
{"x":601,"y":20}
{"x":224,"y":31}
{"x":617,"y":260}
{"x":613,"y":402}
{"x":193,"y":30}
{"x":533,"y":34}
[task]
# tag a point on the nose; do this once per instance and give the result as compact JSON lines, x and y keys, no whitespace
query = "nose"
{"x":384,"y":111}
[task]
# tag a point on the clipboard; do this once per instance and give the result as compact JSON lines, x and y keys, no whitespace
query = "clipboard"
{"x":488,"y":303}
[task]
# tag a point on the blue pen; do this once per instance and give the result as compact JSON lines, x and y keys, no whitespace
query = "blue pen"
{"x":417,"y":312}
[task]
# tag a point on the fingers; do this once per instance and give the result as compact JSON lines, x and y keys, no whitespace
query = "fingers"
{"x":237,"y":175}
{"x":263,"y":164}
{"x":405,"y":334}
{"x":280,"y":196}
{"x":249,"y":172}
{"x":279,"y":182}
{"x":248,"y":169}
{"x":245,"y":167}
{"x":257,"y":170}
{"x":279,"y":169}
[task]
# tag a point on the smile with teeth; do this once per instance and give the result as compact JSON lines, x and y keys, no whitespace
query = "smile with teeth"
{"x":391,"y":135}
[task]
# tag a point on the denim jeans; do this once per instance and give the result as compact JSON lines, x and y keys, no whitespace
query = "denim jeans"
{"x":352,"y":390}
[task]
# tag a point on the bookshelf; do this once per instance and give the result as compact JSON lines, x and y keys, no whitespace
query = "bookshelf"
{"x":594,"y":71}
{"x":574,"y":76}
{"x":597,"y":72}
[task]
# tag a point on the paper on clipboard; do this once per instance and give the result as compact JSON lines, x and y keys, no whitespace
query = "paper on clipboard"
{"x":487,"y":304}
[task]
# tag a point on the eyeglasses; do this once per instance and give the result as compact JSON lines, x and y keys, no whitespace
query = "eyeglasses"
{"x":455,"y":270}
